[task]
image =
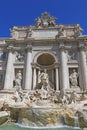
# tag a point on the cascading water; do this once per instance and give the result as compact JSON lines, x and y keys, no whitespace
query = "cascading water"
{"x":65,"y":119}
{"x":76,"y":122}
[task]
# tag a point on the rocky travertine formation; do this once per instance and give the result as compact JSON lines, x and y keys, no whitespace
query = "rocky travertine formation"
{"x":35,"y":109}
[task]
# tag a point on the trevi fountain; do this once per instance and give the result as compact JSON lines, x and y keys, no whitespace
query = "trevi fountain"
{"x":43,"y":77}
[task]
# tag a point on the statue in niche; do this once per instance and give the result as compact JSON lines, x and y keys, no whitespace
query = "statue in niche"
{"x":18,"y":94}
{"x":44,"y":84}
{"x":18,"y":80}
{"x":73,"y":78}
{"x":19,"y":57}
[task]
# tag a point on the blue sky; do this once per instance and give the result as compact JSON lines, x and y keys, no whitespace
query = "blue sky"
{"x":24,"y":12}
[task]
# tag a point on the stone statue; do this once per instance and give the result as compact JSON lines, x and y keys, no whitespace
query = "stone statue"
{"x":73,"y":78}
{"x":52,"y":21}
{"x":77,"y":31}
{"x":61,"y":32}
{"x":73,"y":97}
{"x":44,"y":76}
{"x":45,"y":83}
{"x":45,"y":21}
{"x":38,"y":22}
{"x":18,"y":80}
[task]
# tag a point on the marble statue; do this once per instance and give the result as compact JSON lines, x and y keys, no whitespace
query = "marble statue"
{"x":77,"y":31}
{"x":73,"y":78}
{"x":45,"y":83}
{"x":18,"y":80}
{"x":61,"y":32}
{"x":18,"y":94}
{"x":52,"y":21}
{"x":73,"y":97}
{"x":45,"y":20}
{"x":38,"y":22}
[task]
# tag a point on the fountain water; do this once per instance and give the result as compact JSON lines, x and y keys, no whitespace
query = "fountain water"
{"x":76,"y":122}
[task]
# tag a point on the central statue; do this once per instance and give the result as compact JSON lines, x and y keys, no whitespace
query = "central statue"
{"x":44,"y":81}
{"x":44,"y":84}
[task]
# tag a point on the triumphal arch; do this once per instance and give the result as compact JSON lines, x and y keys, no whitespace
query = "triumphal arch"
{"x":58,"y":50}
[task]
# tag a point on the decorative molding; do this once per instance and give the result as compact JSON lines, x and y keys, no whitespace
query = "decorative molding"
{"x":10,"y":48}
{"x":28,"y":48}
{"x":82,"y":46}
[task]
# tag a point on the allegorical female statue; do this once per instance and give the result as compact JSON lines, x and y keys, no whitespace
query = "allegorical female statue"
{"x":18,"y":80}
{"x":73,"y":78}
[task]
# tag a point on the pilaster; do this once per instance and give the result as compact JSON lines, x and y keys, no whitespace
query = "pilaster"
{"x":82,"y":66}
{"x":8,"y":84}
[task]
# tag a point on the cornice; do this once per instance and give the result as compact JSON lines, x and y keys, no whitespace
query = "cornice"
{"x":23,"y":28}
{"x":32,"y":40}
{"x":82,"y":46}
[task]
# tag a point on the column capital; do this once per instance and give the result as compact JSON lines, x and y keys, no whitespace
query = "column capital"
{"x":56,"y":65}
{"x":10,"y":48}
{"x":34,"y":65}
{"x":82,"y":46}
{"x":29,"y":47}
{"x":62,"y":46}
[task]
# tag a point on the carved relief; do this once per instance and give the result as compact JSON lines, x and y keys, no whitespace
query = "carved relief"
{"x":19,"y":56}
{"x":71,"y":55}
{"x":45,"y":21}
{"x":29,"y":33}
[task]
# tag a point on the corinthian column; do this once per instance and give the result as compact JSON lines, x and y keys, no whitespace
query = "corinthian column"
{"x":64,"y":68}
{"x":34,"y":78}
{"x":83,"y":68}
{"x":57,"y":79}
{"x":38,"y":76}
{"x":28,"y":68}
{"x":8,"y":84}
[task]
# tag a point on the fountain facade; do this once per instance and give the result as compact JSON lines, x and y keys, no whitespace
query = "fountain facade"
{"x":59,"y":49}
{"x":43,"y":74}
